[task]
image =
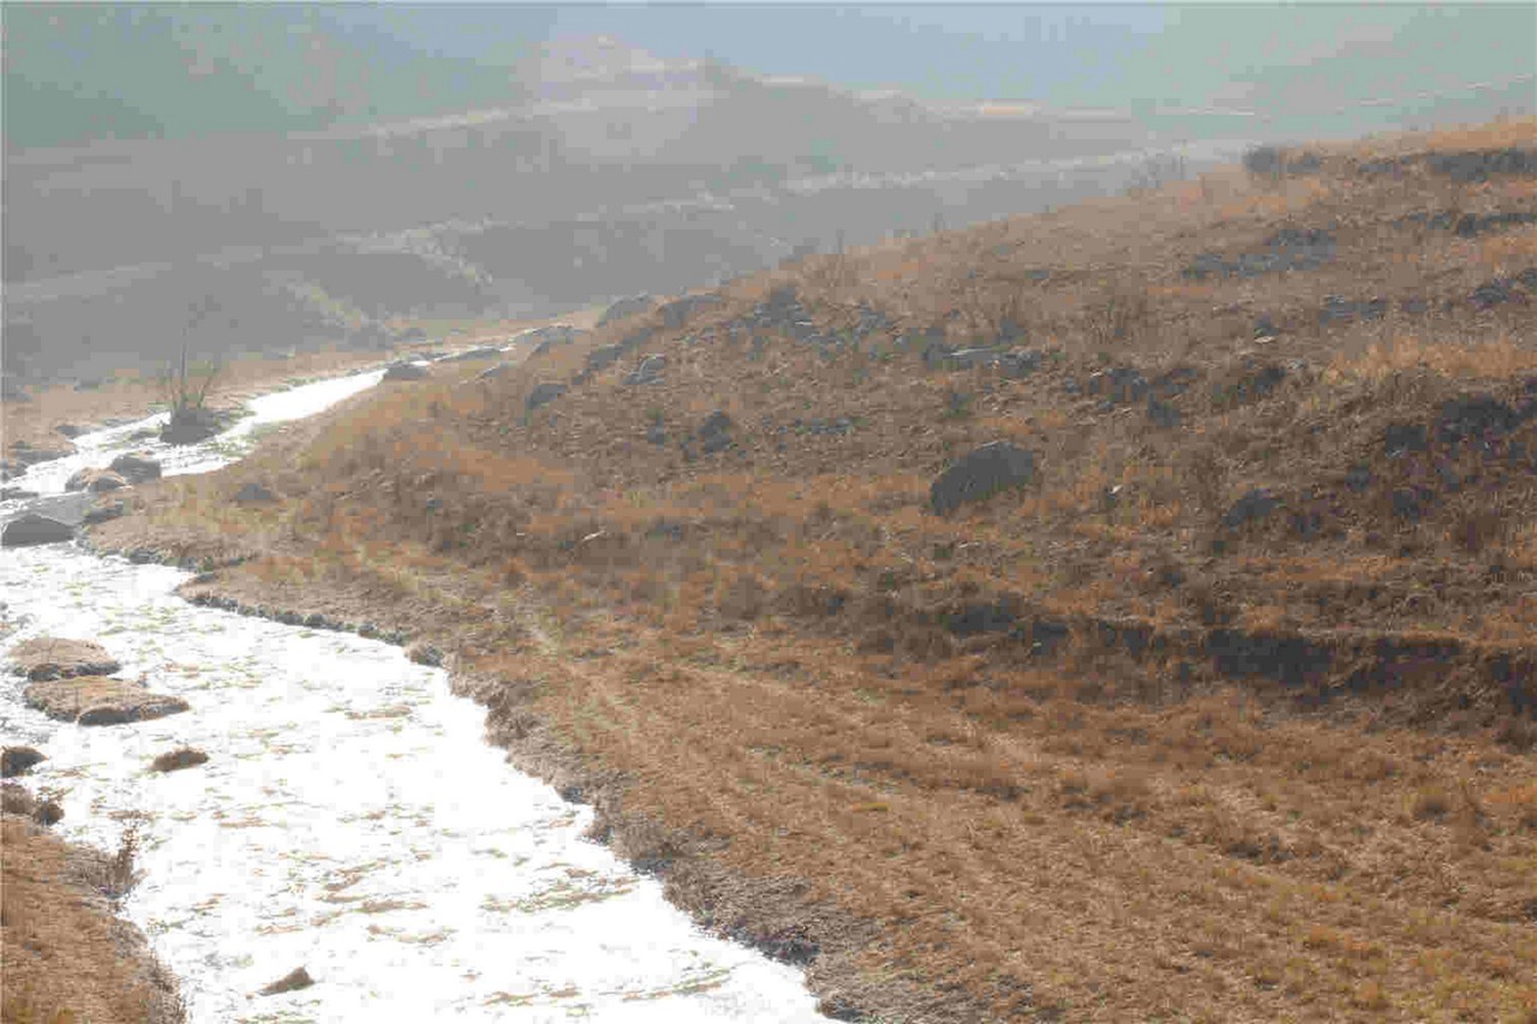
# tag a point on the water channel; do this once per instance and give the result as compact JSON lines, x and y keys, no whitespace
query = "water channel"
{"x":351,"y":818}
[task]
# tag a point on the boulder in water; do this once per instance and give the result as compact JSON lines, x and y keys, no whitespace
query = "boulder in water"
{"x":48,"y":657}
{"x":189,"y":426}
{"x":29,"y":529}
{"x":135,"y":468}
{"x":100,"y":700}
{"x":295,"y":979}
{"x":18,"y":761}
{"x":95,"y":481}
{"x":406,"y":371}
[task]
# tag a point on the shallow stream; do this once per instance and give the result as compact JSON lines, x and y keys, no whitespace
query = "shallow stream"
{"x":351,"y":819}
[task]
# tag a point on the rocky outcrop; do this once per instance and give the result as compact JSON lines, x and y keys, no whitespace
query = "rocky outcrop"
{"x":626,"y":307}
{"x":99,"y":700}
{"x":984,"y":472}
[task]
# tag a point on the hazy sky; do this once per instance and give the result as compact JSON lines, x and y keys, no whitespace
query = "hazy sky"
{"x":1313,"y":69}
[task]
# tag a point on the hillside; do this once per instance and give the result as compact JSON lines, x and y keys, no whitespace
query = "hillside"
{"x":597,"y":170}
{"x":1222,"y":709}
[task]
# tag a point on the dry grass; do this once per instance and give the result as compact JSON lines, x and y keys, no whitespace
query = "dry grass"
{"x":1063,"y":754}
{"x":67,"y":958}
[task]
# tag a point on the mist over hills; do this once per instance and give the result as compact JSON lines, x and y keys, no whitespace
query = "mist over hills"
{"x":316,"y":175}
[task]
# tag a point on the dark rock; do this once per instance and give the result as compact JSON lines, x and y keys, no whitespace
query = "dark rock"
{"x":1118,"y":385}
{"x":656,"y":434}
{"x":1255,"y":383}
{"x":1337,"y":309}
{"x":605,"y":356}
{"x":191,"y":426}
{"x":406,"y":372}
{"x":425,"y":654}
{"x":649,"y":371}
{"x":1405,"y":437}
{"x":977,"y":619}
{"x":136,"y":469}
{"x":95,"y":481}
{"x":1286,"y":250}
{"x":1472,"y":224}
{"x":1019,"y":362}
{"x":25,"y":454}
{"x":969,"y":358}
{"x":16,"y":761}
{"x":1476,"y":416}
{"x":626,"y":307}
{"x":30,"y":529}
{"x":1162,"y":414}
{"x":104,"y":513}
{"x":292,"y":981}
{"x":677,"y":313}
{"x":1255,"y":506}
{"x":1290,"y":660}
{"x":16,"y":494}
{"x":543,"y":394}
{"x":715,"y":432}
{"x":1273,"y":161}
{"x":1406,"y":503}
{"x":254,"y":493}
{"x":551,"y":335}
{"x":493,"y":372}
{"x":1480,"y":165}
{"x":1359,"y":477}
{"x":71,"y":430}
{"x":982,"y":473}
{"x":471,"y":355}
{"x":1493,"y":294}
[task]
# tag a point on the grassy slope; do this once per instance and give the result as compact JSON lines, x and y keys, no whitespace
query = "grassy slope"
{"x":1306,"y":789}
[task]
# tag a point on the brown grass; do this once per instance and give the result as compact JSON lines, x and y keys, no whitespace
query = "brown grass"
{"x":758,"y":663}
{"x":67,"y":958}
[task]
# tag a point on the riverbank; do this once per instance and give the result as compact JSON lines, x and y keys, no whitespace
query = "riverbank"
{"x":67,"y":955}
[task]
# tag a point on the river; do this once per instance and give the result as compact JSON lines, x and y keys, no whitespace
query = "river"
{"x":351,"y":818}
